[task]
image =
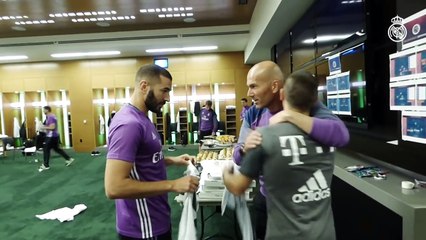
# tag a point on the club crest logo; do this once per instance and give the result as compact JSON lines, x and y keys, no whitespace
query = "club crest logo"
{"x":397,"y":32}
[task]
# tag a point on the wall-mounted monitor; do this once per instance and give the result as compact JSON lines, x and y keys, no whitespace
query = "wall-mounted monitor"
{"x":413,"y":126}
{"x":162,"y":62}
{"x":416,"y":29}
{"x":334,"y":64}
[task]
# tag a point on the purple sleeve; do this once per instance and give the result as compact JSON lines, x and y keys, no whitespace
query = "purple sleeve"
{"x":123,"y":142}
{"x":244,"y":131}
{"x":330,"y":132}
{"x":215,"y":123}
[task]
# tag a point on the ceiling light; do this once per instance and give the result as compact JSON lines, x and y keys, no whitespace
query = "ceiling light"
{"x":182,"y":8}
{"x":188,"y":8}
{"x":169,"y":15}
{"x":161,"y":15}
{"x":176,"y":9}
{"x":184,"y":49}
{"x":327,"y":38}
{"x":143,"y":11}
{"x":79,"y":14}
{"x":189,"y":14}
{"x":87,"y":14}
{"x":170,"y":9}
{"x":151,"y":10}
{"x":176,"y":15}
{"x":158,"y":10}
{"x":15,"y":57}
{"x":85,"y":54}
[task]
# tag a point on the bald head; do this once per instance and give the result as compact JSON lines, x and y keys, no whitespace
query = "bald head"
{"x":268,"y":71}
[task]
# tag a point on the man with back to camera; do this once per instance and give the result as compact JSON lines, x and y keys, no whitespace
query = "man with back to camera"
{"x":135,"y":172}
{"x":245,"y":105}
{"x":52,"y":140}
{"x":299,"y":204}
{"x":208,"y":120}
{"x":265,"y":80}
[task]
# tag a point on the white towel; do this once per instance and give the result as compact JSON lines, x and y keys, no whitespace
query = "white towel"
{"x":101,"y":125}
{"x":16,"y":127}
{"x":64,"y":214}
{"x":186,"y":225}
{"x":238,"y":204}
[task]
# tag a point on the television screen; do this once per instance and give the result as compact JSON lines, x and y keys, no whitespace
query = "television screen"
{"x":403,"y":96}
{"x":421,"y":62}
{"x":345,"y":93}
{"x":413,"y":126}
{"x":416,"y":29}
{"x":402,"y":65}
{"x":334,"y":64}
{"x":162,"y":62}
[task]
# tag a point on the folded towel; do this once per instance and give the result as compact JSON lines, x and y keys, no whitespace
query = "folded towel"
{"x":64,"y":214}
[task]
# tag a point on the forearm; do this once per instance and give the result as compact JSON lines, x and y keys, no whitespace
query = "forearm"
{"x":330,"y":132}
{"x":232,"y":183}
{"x":238,"y":154}
{"x":302,"y":121}
{"x":169,"y":160}
{"x":130,"y":188}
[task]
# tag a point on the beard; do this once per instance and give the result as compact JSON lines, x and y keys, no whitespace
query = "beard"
{"x":152,"y":103}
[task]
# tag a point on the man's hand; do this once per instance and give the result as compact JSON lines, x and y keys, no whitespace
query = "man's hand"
{"x":183,"y":159}
{"x":253,"y":140}
{"x":186,"y":184}
{"x":281,"y":116}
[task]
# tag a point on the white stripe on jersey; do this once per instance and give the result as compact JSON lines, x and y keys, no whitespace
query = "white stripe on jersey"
{"x":143,"y":212}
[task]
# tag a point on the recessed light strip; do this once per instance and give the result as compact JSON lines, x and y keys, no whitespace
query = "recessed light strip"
{"x":184,"y":49}
{"x":118,"y":18}
{"x":35,"y":22}
{"x":81,"y":14}
{"x":13,"y":57}
{"x":85,"y":54}
{"x":169,"y":9}
{"x":12,"y":17}
{"x":170,"y":15}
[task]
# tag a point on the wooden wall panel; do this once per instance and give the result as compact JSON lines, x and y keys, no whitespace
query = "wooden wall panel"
{"x":197,"y":77}
{"x":34,"y":84}
{"x":124,"y":80}
{"x":103,"y":81}
{"x":12,"y":84}
{"x":222,"y":76}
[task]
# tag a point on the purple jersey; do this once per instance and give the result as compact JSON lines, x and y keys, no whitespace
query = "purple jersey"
{"x":243,"y":112}
{"x":51,"y":118}
{"x":133,"y":138}
{"x":208,"y":121}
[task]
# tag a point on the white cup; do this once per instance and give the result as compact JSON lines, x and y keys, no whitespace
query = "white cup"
{"x":407,"y":185}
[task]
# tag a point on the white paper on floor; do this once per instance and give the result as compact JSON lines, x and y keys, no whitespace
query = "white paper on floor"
{"x":64,"y":214}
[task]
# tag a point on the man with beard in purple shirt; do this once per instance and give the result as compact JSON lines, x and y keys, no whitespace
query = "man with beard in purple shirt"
{"x":135,"y":172}
{"x":264,"y":81}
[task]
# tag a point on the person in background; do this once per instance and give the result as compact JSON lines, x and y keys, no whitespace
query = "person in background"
{"x":264,"y":81}
{"x":297,"y":171}
{"x":52,"y":140}
{"x":245,"y":108}
{"x":208,"y":121}
{"x":111,"y":117}
{"x":135,"y":172}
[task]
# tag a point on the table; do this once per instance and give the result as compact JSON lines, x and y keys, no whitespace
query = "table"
{"x":409,"y":204}
{"x":215,"y":168}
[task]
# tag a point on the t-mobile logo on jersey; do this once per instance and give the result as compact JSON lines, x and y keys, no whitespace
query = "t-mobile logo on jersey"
{"x":293,"y":149}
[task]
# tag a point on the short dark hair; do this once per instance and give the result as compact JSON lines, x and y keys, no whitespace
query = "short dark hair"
{"x":244,"y":99}
{"x":152,"y":73}
{"x":48,"y":108}
{"x":301,"y":90}
{"x":209,"y":103}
